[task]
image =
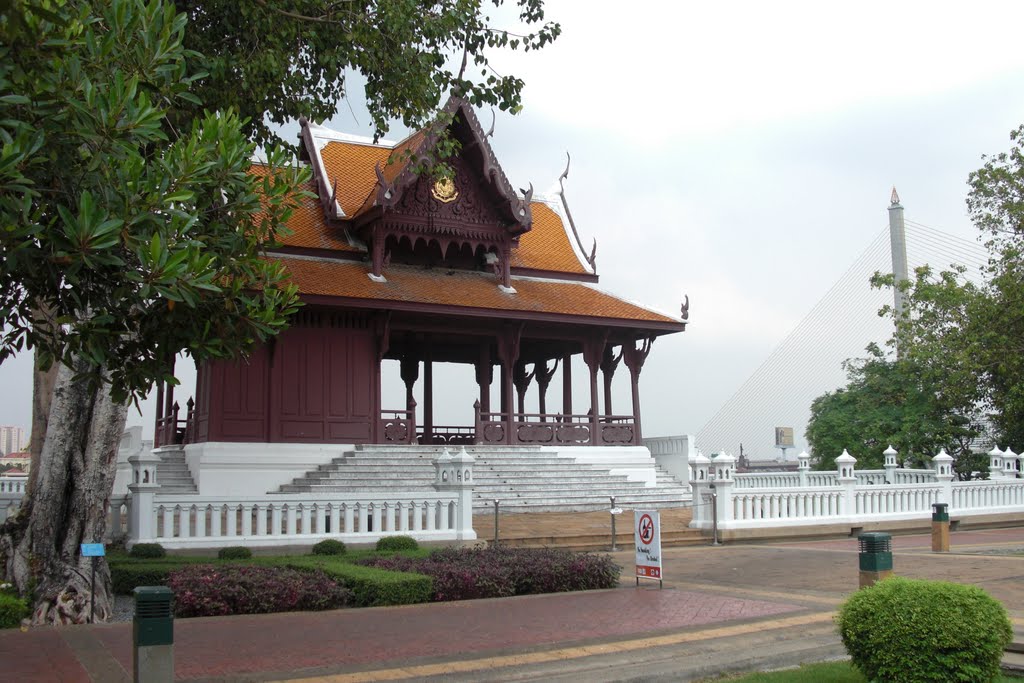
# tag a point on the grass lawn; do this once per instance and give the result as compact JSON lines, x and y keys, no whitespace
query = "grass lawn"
{"x":830,"y":672}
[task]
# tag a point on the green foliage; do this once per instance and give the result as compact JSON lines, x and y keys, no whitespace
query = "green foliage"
{"x":12,"y":610}
{"x":137,"y":238}
{"x":409,"y":55}
{"x":370,"y":587}
{"x":329,"y":546}
{"x":127,"y":576}
{"x":832,"y":672}
{"x":147,"y":551}
{"x":887,"y":401}
{"x":234,"y":552}
{"x":397,"y":543}
{"x":912,"y":631}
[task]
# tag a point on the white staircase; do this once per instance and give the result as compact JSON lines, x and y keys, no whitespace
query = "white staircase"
{"x":172,"y":473}
{"x":521,"y":478}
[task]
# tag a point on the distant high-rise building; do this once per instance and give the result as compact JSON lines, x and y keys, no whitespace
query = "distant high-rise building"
{"x":12,"y":439}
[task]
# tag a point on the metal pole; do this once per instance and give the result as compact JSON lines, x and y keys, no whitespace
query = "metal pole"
{"x":714,"y":519}
{"x":495,"y":522}
{"x":614,"y":546}
{"x":92,"y":593}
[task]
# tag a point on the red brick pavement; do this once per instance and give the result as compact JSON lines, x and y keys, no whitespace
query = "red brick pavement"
{"x":39,"y":656}
{"x":220,"y":646}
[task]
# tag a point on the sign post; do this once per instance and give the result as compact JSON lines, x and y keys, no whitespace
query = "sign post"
{"x":95,"y":551}
{"x":647,"y":537}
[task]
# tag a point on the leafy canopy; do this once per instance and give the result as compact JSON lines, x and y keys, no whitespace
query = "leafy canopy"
{"x":275,"y":61}
{"x":127,"y":239}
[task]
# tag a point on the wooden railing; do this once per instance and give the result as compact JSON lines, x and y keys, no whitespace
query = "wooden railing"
{"x":555,"y":429}
{"x":171,"y":431}
{"x":398,"y":426}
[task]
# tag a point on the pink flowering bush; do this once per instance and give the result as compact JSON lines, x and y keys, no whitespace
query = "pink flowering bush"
{"x":470,"y":573}
{"x":205,"y":590}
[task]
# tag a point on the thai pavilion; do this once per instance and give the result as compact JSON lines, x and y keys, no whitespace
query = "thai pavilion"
{"x":395,"y":265}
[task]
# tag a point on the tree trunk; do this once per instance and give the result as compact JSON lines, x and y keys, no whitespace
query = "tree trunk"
{"x":40,"y":547}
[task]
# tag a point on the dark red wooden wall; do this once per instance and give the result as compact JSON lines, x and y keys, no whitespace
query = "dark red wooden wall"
{"x":316,"y":383}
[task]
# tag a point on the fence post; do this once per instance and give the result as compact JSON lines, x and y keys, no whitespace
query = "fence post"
{"x":144,"y":486}
{"x":724,"y":466}
{"x":803,"y":466}
{"x":848,"y":481}
{"x":890,"y":454}
{"x":943,"y":463}
{"x":995,"y":463}
{"x":698,"y":485}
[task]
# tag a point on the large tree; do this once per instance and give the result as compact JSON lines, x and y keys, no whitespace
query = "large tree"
{"x":889,"y":401}
{"x":132,"y":225}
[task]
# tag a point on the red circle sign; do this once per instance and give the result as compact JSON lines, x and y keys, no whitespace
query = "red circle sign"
{"x":646,"y":528}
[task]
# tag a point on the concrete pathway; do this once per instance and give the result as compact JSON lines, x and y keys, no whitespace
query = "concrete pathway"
{"x":722,"y":609}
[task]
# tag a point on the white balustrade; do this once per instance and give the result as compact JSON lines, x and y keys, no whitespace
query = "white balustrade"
{"x":190,"y":521}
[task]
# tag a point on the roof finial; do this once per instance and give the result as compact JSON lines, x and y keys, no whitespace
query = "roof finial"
{"x":895,"y":197}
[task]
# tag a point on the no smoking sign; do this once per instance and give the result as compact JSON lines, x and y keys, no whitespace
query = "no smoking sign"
{"x":647,"y":535}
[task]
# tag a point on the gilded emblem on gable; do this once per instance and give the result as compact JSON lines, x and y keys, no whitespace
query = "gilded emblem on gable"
{"x":444,"y":190}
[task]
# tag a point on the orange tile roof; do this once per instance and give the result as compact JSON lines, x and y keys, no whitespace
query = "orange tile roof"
{"x":351,"y":165}
{"x":473,"y":290}
{"x":308,"y":228}
{"x":546,"y":246}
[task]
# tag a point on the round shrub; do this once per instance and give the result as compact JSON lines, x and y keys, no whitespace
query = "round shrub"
{"x":912,"y":631}
{"x":12,"y":610}
{"x":234,"y":552}
{"x":396,"y":543}
{"x":147,"y":551}
{"x":329,"y":547}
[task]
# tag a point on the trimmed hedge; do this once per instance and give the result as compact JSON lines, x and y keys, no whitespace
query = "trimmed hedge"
{"x":370,"y":586}
{"x":212,"y":590}
{"x":472,"y":573}
{"x":12,"y":610}
{"x":147,"y":551}
{"x":397,"y":543}
{"x":913,"y":631}
{"x":329,"y":546}
{"x":234,"y":552}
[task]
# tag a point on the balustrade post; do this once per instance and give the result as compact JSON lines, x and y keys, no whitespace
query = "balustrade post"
{"x":1009,"y":464}
{"x":995,"y":463}
{"x":478,"y":427}
{"x":890,"y":454}
{"x":724,"y":467}
{"x":142,"y":520}
{"x":455,"y":473}
{"x":699,"y":473}
{"x":943,"y":463}
{"x":848,"y":481}
{"x":803,"y":466}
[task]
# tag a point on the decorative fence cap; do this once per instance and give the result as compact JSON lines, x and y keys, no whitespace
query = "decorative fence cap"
{"x":463,"y":456}
{"x":995,"y":452}
{"x":943,"y":456}
{"x":890,"y":451}
{"x":723,"y":458}
{"x":845,"y":458}
{"x":701,"y":459}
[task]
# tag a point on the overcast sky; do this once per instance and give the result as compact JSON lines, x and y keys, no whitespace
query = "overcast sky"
{"x":741,"y":153}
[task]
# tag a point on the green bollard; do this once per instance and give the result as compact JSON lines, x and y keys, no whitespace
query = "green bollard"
{"x":153,"y":635}
{"x":875,"y":557}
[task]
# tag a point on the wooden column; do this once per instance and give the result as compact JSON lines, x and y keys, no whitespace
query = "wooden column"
{"x":609,"y":362}
{"x":169,"y":429}
{"x":593,"y":349}
{"x":428,"y":399}
{"x":159,"y":413}
{"x":484,"y":377}
{"x":508,"y":354}
{"x":566,"y":387}
{"x":634,"y":358}
{"x":543,"y":380}
{"x":522,"y":380}
{"x":410,"y":372}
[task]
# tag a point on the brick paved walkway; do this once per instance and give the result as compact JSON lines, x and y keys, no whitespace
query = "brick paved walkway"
{"x":738,"y":593}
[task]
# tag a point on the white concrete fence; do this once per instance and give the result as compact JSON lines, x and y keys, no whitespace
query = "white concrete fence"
{"x":301,"y":519}
{"x":846,"y":495}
